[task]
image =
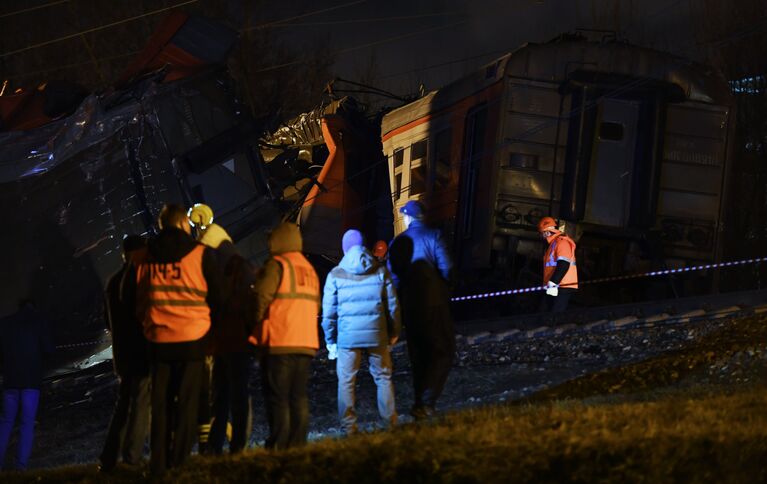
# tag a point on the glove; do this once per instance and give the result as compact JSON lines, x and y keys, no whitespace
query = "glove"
{"x":332,"y":351}
{"x":552,"y":289}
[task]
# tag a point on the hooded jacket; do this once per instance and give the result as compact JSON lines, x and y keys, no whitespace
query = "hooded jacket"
{"x":129,"y":346}
{"x":359,"y":304}
{"x":284,"y":241}
{"x":229,"y":333}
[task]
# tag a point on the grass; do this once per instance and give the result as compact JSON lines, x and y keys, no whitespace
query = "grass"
{"x":675,"y":433}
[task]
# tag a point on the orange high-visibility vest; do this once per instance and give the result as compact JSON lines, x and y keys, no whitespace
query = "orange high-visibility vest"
{"x":171,"y":298}
{"x":291,"y":321}
{"x":561,"y":247}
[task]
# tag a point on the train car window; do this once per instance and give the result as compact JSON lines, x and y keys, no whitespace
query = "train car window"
{"x":418,"y":150}
{"x":399,"y":158}
{"x":611,"y":131}
{"x":491,"y":70}
{"x":523,"y":160}
{"x":418,"y":180}
{"x":441,"y":164}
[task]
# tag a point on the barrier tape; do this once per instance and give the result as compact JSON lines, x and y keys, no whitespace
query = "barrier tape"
{"x":78,"y":345}
{"x":510,"y":292}
{"x":681,"y":270}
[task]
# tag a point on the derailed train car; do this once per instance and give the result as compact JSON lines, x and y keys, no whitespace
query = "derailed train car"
{"x":332,"y":167}
{"x":72,"y":187}
{"x":628,"y":147}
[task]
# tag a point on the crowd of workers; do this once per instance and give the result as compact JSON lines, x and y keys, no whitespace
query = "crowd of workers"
{"x":187,"y":313}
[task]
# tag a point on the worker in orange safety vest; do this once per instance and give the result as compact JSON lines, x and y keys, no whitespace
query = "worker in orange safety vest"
{"x":560,"y":274}
{"x":178,"y":285}
{"x":286,"y":305}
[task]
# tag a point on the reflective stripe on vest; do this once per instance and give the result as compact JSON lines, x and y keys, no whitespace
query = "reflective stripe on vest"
{"x":292,"y":316}
{"x":173,"y":306}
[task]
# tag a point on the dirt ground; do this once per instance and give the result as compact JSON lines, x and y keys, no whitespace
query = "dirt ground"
{"x":75,"y":409}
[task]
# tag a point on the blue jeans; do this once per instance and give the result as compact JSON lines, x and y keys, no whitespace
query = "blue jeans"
{"x":27,"y":399}
{"x":379,"y":361}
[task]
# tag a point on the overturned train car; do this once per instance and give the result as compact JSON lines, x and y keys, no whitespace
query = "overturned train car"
{"x":628,"y":147}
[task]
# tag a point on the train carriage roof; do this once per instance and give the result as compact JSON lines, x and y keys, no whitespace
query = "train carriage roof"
{"x":570,"y":59}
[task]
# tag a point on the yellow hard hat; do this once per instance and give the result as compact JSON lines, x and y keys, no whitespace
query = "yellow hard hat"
{"x":214,"y":235}
{"x":200,"y":215}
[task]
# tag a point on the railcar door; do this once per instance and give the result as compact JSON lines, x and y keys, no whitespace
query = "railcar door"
{"x":473,"y":149}
{"x":609,"y":193}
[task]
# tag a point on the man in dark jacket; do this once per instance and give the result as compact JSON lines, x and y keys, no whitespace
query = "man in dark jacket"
{"x":25,"y":340}
{"x":421,"y":267}
{"x":229,"y":342}
{"x":130,"y":421}
{"x":286,"y":305}
{"x":178,"y":287}
{"x":360,"y":313}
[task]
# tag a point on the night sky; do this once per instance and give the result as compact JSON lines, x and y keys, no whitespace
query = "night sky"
{"x":395,"y":43}
{"x":468,"y":34}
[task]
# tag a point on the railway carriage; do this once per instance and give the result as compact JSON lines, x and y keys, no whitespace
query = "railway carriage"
{"x":626,"y":146}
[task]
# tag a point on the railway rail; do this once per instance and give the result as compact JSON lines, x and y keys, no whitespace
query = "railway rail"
{"x":615,"y":318}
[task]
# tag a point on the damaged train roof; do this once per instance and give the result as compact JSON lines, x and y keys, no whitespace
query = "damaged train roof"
{"x":572,"y":59}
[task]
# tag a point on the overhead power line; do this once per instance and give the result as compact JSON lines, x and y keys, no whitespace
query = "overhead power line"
{"x":443,"y":64}
{"x":364,"y":20}
{"x":304,"y":15}
{"x":364,"y":46}
{"x":32,"y":9}
{"x":95,"y":29}
{"x":73,"y":65}
{"x":77,"y":64}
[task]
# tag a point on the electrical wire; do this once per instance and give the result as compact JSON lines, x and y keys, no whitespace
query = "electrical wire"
{"x":366,"y":20}
{"x":304,"y":15}
{"x":76,"y":64}
{"x":442,"y":64}
{"x":32,"y":9}
{"x":268,"y":24}
{"x":364,"y":46}
{"x":95,"y":29}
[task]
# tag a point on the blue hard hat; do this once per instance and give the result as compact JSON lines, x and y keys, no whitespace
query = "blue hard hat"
{"x":413,"y":208}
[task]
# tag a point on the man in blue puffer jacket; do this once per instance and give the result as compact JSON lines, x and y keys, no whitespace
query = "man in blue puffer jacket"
{"x":360,"y":313}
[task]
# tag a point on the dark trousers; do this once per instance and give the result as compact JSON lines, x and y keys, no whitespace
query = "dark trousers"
{"x":558,"y":303}
{"x":130,"y":422}
{"x":230,"y":395}
{"x":204,"y":413}
{"x":26,"y":399}
{"x":285,"y":378}
{"x":175,"y":399}
{"x":431,"y":347}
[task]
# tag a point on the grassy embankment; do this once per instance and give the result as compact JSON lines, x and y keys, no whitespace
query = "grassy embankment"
{"x":666,"y":419}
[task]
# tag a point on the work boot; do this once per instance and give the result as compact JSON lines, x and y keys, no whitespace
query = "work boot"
{"x":422,"y":412}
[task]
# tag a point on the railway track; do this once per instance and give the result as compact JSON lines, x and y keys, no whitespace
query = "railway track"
{"x":614,"y":318}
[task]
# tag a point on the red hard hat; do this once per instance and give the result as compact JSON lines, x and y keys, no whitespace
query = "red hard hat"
{"x":380,"y":249}
{"x":547,"y":223}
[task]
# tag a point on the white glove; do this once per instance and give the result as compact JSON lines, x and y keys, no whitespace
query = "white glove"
{"x":332,"y":351}
{"x":552,"y":289}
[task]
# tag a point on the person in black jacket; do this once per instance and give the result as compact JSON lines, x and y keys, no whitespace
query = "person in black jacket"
{"x":422,"y":268}
{"x":25,"y":339}
{"x":229,"y":338}
{"x":130,"y":422}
